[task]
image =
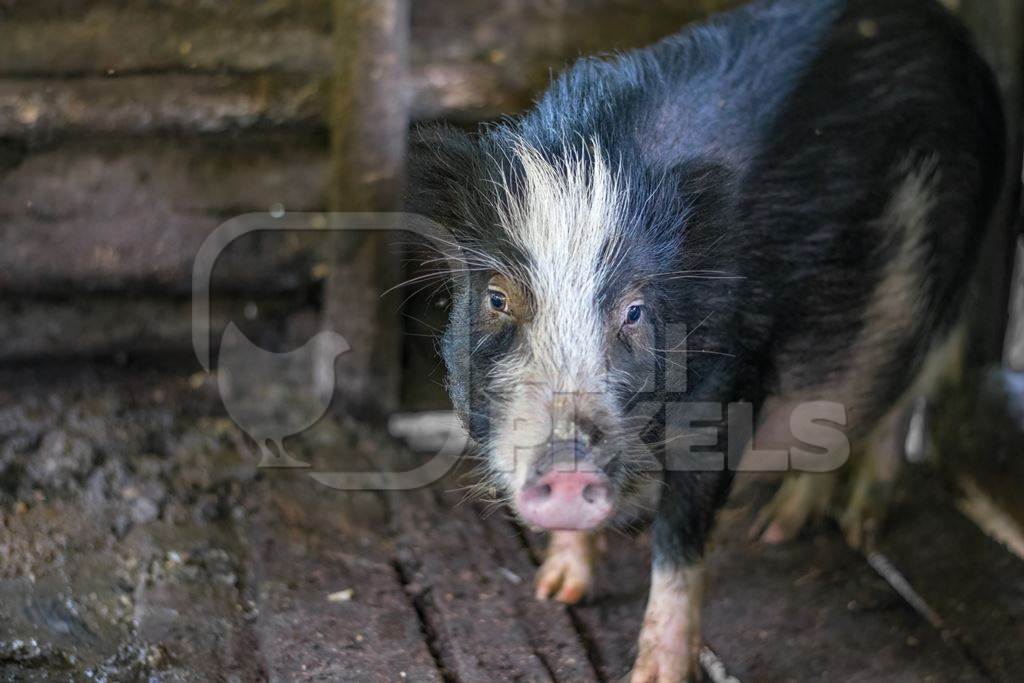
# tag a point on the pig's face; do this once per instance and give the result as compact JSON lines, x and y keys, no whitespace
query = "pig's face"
{"x":549,"y":389}
{"x":552,"y":339}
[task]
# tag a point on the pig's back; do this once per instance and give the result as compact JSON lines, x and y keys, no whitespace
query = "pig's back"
{"x":868,"y":201}
{"x":710,"y":92}
{"x":860,"y":145}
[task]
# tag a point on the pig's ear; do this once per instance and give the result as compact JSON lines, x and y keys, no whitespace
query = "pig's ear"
{"x":441,"y":159}
{"x":705,"y":185}
{"x":707,"y":193}
{"x":442,"y":162}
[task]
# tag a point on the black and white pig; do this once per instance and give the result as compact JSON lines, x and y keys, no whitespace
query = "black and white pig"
{"x":784,"y":204}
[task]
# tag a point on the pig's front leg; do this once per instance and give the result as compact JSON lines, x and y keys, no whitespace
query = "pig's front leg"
{"x":670,"y":638}
{"x":568,"y":569}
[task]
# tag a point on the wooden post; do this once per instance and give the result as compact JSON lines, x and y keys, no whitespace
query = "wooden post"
{"x":998,"y":29}
{"x":369,"y":120}
{"x":972,"y":430}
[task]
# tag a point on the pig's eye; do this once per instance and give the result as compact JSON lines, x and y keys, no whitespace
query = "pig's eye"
{"x":497,"y":300}
{"x":633,"y":314}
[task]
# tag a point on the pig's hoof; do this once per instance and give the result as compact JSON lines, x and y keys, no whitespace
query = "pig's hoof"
{"x":801,"y":497}
{"x":568,"y":570}
{"x":664,"y":666}
{"x":773,"y":527}
{"x":863,"y":517}
{"x":859,"y":533}
{"x":668,"y":650}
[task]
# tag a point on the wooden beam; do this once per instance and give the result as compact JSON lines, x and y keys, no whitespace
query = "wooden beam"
{"x":369,"y":118}
{"x":129,"y":215}
{"x":998,"y":29}
{"x":121,"y":326}
{"x":42,"y":111}
{"x":468,"y":61}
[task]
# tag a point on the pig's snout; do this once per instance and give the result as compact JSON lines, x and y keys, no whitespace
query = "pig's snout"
{"x":568,"y":492}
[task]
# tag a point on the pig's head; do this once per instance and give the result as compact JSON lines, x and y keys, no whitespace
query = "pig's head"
{"x":562,"y":262}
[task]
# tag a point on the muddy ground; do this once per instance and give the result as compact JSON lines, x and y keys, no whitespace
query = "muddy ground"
{"x":139,"y":541}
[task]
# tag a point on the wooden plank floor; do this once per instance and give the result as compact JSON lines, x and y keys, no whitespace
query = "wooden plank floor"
{"x":186,"y":560}
{"x":811,"y":610}
{"x":969,"y":580}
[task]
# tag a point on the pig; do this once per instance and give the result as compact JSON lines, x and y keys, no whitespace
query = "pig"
{"x":780,"y":207}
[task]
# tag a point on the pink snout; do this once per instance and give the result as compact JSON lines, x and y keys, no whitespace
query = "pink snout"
{"x":566,"y":500}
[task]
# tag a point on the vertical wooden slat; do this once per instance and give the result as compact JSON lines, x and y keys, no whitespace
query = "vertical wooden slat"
{"x":1015,"y":335}
{"x":369,"y":119}
{"x":998,"y":29}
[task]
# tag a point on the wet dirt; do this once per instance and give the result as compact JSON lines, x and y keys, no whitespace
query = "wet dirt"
{"x":119,"y":500}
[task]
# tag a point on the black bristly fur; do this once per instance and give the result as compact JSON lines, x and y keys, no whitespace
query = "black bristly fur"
{"x":770,"y":142}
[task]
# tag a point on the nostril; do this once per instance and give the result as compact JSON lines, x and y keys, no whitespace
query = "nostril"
{"x":593,"y":493}
{"x":537,"y":493}
{"x":589,"y":494}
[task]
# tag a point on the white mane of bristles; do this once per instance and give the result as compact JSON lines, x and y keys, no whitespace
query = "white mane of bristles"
{"x":567,"y":217}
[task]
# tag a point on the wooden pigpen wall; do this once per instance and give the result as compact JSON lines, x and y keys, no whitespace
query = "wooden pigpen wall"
{"x":130,"y":129}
